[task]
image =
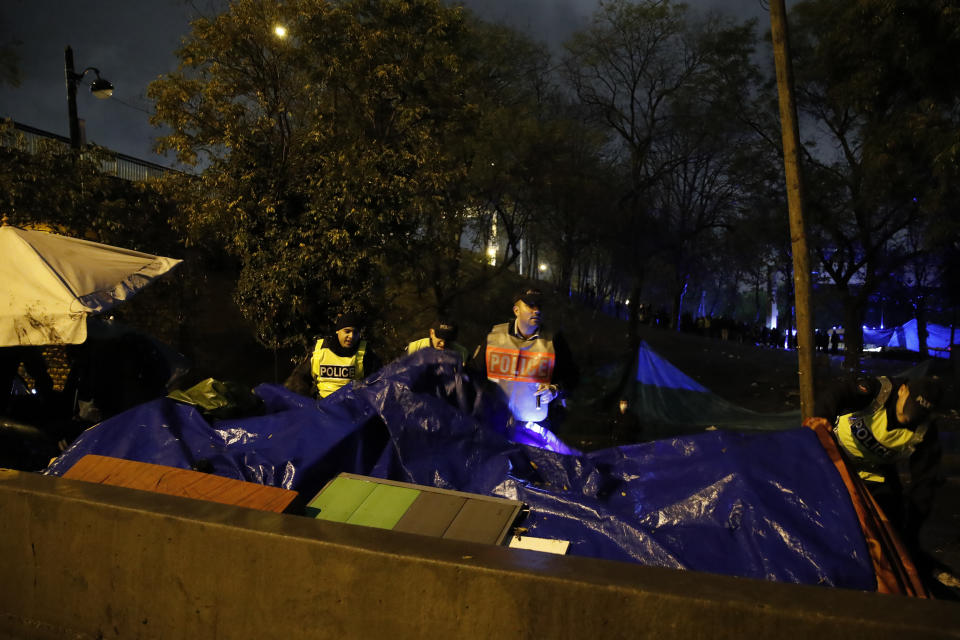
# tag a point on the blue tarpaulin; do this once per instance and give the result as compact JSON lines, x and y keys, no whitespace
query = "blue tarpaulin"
{"x":938,"y":338}
{"x":906,"y":336}
{"x":766,"y":505}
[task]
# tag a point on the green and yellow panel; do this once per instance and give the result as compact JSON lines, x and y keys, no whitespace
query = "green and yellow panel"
{"x":410,"y":508}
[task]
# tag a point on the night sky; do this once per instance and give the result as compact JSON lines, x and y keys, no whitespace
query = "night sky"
{"x":131,"y":42}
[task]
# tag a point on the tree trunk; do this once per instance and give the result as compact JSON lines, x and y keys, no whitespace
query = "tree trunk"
{"x":632,"y":348}
{"x":678,"y":303}
{"x":758,"y":314}
{"x":853,"y":310}
{"x":954,"y":351}
{"x":922,"y":327}
{"x":771,"y":297}
{"x":565,"y":279}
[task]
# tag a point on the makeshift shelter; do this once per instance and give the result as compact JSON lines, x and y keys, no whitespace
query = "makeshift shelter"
{"x":670,"y":403}
{"x":906,"y":337}
{"x":767,"y":505}
{"x":50,"y":283}
{"x":876,"y":338}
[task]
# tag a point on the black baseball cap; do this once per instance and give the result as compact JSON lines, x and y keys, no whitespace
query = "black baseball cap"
{"x":924,"y":396}
{"x":445,"y":330}
{"x":531,"y":296}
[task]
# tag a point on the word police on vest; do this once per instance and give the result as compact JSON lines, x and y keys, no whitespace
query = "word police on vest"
{"x":337,"y":371}
{"x":869,"y":442}
{"x":532,"y":367}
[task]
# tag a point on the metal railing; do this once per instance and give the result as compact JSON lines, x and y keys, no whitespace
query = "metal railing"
{"x":29,"y":139}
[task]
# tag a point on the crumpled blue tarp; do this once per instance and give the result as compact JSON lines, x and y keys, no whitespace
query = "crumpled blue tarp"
{"x":765,"y":505}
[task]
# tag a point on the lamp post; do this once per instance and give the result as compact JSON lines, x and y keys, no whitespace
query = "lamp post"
{"x":100,"y":88}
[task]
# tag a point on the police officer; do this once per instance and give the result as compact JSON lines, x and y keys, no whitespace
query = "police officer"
{"x":530,"y":364}
{"x":880,"y":422}
{"x":337,"y":359}
{"x":443,"y":335}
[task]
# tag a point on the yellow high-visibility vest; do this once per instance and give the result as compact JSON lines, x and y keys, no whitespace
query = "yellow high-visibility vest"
{"x":331,"y":371}
{"x":871,"y":442}
{"x":425,"y":343}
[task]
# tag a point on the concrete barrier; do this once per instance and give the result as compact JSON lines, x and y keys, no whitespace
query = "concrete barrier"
{"x":92,"y":561}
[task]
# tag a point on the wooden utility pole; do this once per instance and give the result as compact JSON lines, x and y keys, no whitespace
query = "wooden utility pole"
{"x":798,"y":234}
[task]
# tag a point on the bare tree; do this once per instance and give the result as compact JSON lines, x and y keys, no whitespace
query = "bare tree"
{"x":648,"y":70}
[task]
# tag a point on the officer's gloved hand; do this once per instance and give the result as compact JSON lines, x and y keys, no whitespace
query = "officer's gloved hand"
{"x":546,"y":393}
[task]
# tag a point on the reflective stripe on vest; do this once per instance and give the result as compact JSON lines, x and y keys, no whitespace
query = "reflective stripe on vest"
{"x":331,"y":371}
{"x":518,"y":366}
{"x":871,"y":442}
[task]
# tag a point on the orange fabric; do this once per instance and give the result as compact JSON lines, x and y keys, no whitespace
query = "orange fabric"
{"x":895,"y":570}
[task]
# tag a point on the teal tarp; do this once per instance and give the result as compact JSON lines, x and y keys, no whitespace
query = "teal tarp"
{"x":668,"y":402}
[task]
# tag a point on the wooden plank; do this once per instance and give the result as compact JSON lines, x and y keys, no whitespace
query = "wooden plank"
{"x":179,"y":482}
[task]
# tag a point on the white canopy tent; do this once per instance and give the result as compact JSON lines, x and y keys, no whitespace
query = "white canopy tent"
{"x":50,"y":283}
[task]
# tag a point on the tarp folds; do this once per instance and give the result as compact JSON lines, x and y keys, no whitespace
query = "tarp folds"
{"x":762,"y":505}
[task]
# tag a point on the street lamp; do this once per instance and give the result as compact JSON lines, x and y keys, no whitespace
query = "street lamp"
{"x":100,"y":88}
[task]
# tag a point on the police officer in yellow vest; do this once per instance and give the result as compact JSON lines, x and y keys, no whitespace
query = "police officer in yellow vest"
{"x":530,"y":364}
{"x":443,"y":335}
{"x":880,"y":422}
{"x":336,"y":360}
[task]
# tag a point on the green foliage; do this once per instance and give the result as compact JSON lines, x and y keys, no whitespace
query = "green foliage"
{"x":57,"y":188}
{"x":327,"y":159}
